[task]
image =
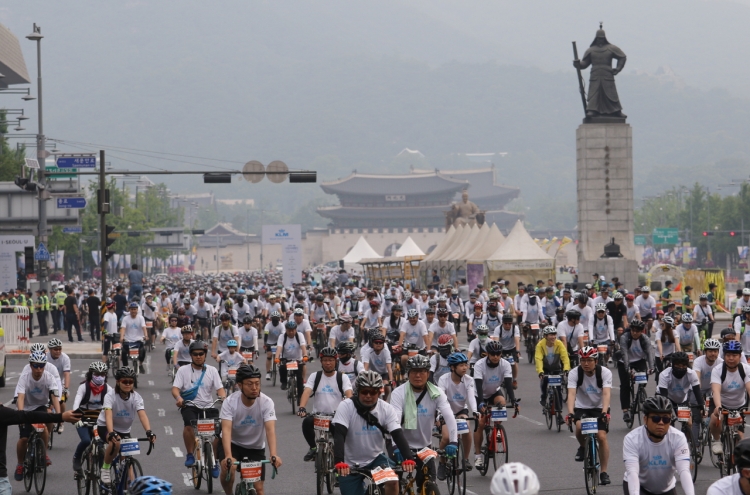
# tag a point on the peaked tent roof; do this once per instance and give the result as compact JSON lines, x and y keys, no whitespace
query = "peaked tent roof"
{"x":370,"y":184}
{"x":494,"y":239}
{"x":361,"y":250}
{"x":441,"y":245}
{"x":479,"y":241}
{"x":519,"y":246}
{"x":457,"y":238}
{"x":466,"y":244}
{"x":409,"y":248}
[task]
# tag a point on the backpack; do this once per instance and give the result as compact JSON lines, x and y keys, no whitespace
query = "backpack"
{"x":87,"y":394}
{"x":354,"y":367}
{"x":598,"y":372}
{"x":643,"y":338}
{"x":724,"y":370}
{"x":339,"y":382}
{"x":296,"y":337}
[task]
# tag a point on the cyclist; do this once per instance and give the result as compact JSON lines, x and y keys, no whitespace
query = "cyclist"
{"x":303,"y":327}
{"x":271,"y":333}
{"x":655,"y":452}
{"x":690,"y":340}
{"x":343,"y":332}
{"x":120,"y":407}
{"x":493,"y":317}
{"x":133,"y":334}
{"x":203,"y":314}
{"x":509,"y":337}
{"x":370,"y":419}
{"x":378,"y":358}
{"x":602,"y":327}
{"x":61,"y":361}
{"x":491,"y":373}
{"x":181,"y":355}
{"x":241,"y":437}
{"x":533,"y":312}
{"x":636,"y":354}
{"x":570,"y":331}
{"x":172,"y":335}
{"x":595,"y":385}
{"x":439,"y":361}
{"x":646,"y":306}
{"x":414,"y":332}
{"x":729,"y":384}
{"x":551,"y":358}
{"x":230,"y":358}
{"x":248,"y":335}
{"x":149,"y":485}
{"x":347,"y":364}
{"x":676,"y":382}
{"x":460,"y":391}
{"x":442,"y":327}
{"x":618,"y":311}
{"x":741,"y":323}
{"x":738,"y":483}
{"x":291,"y":346}
{"x":666,"y":344}
{"x":514,"y":478}
{"x":149,"y":312}
{"x":90,"y":396}
{"x":704,"y":366}
{"x":36,"y":390}
{"x":703,"y":316}
{"x":197,"y":383}
{"x":477,"y":347}
{"x":110,"y":332}
{"x":328,"y":388}
{"x":223,"y":333}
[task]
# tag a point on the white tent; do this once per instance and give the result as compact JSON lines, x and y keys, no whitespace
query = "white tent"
{"x":489,"y":245}
{"x":520,"y":259}
{"x":442,"y":245}
{"x":409,"y":248}
{"x":361,"y":250}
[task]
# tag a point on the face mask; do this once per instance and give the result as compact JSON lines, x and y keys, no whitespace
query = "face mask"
{"x":532,"y":300}
{"x":679,"y":373}
{"x":344,"y":359}
{"x":482,"y":338}
{"x":98,"y":380}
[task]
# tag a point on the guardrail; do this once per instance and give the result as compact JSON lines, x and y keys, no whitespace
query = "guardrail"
{"x":15,"y":326}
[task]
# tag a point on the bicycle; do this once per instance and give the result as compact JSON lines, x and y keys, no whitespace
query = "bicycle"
{"x":133,"y":354}
{"x":205,"y":429}
{"x":455,"y":467}
{"x":324,"y":470}
{"x":250,"y":473}
{"x":274,"y":368}
{"x":591,"y":462}
{"x":126,"y":467}
{"x":291,"y":382}
{"x":87,"y":480}
{"x":531,"y":331}
{"x":704,"y":433}
{"x":496,"y":438}
{"x":637,"y":398}
{"x":374,"y":478}
{"x":171,"y":368}
{"x":553,"y":405}
{"x":731,"y":422}
{"x":683,"y":416}
{"x":113,"y":356}
{"x":429,"y":485}
{"x":603,"y":358}
{"x":230,"y":380}
{"x":35,"y":461}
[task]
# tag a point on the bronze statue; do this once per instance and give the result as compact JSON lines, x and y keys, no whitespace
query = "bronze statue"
{"x":462,"y":213}
{"x":603,"y":100}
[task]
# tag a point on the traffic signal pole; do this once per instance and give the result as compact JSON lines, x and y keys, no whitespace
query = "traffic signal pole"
{"x":103,"y":209}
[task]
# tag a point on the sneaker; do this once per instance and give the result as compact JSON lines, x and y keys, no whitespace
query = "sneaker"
{"x":467,"y":465}
{"x":60,"y":428}
{"x":515,"y":384}
{"x":604,"y":479}
{"x":626,"y":416}
{"x":268,"y":377}
{"x":189,"y":460}
{"x":579,"y":454}
{"x":479,"y":461}
{"x":310,"y":454}
{"x":441,"y":471}
{"x":105,"y":477}
{"x":716,"y":447}
{"x":49,"y":461}
{"x":215,"y":471}
{"x":141,"y":370}
{"x":77,"y":465}
{"x":18,"y":475}
{"x":284,"y":386}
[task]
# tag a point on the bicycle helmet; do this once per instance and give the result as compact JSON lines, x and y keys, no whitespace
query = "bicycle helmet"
{"x":492,"y":307}
{"x":742,"y":454}
{"x":746,"y":309}
{"x":442,"y":311}
{"x":746,"y":292}
{"x":703,"y":296}
{"x":346,"y":348}
{"x":687,"y":318}
{"x":345,"y":319}
{"x":668,"y":320}
{"x":328,"y":352}
{"x":548,"y":330}
{"x":319,"y":297}
{"x":457,"y":358}
{"x":247,"y":371}
{"x":232,"y":343}
{"x":617,"y":295}
{"x":397,"y":307}
{"x":732,"y":346}
{"x":98,"y":367}
{"x":477,"y":305}
{"x":276,"y":315}
{"x":645,"y":288}
{"x":133,"y":305}
{"x":680,"y":358}
{"x":225,"y":317}
{"x":187,"y":329}
{"x":369,"y":379}
{"x":173,"y":316}
{"x":657,"y":404}
{"x":374,"y":303}
{"x":588,"y":352}
{"x":54,"y":343}
{"x":573,"y":314}
{"x":483,"y":330}
{"x":299,"y":311}
{"x":727,"y":332}
{"x":247,"y":319}
{"x":418,"y":362}
{"x":37,"y":357}
{"x":507,"y":318}
{"x":38,"y":347}
{"x":198,"y":345}
{"x":376,"y":335}
{"x":600,"y":307}
{"x":125,"y":372}
{"x":412,"y":313}
{"x":494,"y":347}
{"x":582,"y":298}
{"x":514,"y":478}
{"x":637,"y":325}
{"x":712,"y":344}
{"x":148,"y":485}
{"x":290,"y":325}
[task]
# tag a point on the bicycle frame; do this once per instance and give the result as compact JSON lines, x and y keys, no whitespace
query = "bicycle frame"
{"x":249,"y":474}
{"x":204,"y":452}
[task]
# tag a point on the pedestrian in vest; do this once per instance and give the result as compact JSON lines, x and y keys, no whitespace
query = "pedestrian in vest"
{"x":41,"y":311}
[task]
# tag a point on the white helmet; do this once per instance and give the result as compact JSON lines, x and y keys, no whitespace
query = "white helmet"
{"x":514,"y":479}
{"x":600,"y":307}
{"x":746,"y":292}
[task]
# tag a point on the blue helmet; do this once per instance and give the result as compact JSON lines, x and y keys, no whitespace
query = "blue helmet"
{"x":232,"y":343}
{"x":457,"y":358}
{"x":147,"y":485}
{"x":290,"y":325}
{"x":732,"y":346}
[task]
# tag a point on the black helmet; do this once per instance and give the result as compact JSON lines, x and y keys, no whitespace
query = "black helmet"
{"x":198,"y":345}
{"x":125,"y":372}
{"x":328,"y":352}
{"x":657,"y":404}
{"x":173,"y":316}
{"x":680,"y":358}
{"x":727,"y":332}
{"x":637,"y":325}
{"x":225,"y":316}
{"x":187,"y":329}
{"x":247,"y":371}
{"x":742,"y":454}
{"x":573,"y":314}
{"x":507,"y":318}
{"x":247,"y":319}
{"x":582,"y":298}
{"x":346,"y":348}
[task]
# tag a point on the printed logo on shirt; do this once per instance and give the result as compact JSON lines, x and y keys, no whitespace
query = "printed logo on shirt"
{"x":591,"y":390}
{"x":249,"y":421}
{"x":493,"y":379}
{"x":36,"y":390}
{"x":658,"y":462}
{"x":327,"y":390}
{"x":123,"y":413}
{"x":421,"y":410}
{"x":368,"y":430}
{"x":676,"y":387}
{"x":457,"y":397}
{"x":734,"y":385}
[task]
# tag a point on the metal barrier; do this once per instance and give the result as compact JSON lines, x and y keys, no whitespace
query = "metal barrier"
{"x":16,"y":326}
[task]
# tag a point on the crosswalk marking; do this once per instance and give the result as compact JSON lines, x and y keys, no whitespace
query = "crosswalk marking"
{"x":168,"y":430}
{"x":177,"y":452}
{"x":187,"y":479}
{"x":161,"y":412}
{"x":156,"y":396}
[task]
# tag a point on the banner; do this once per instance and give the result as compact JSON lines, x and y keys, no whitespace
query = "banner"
{"x":742,"y":251}
{"x":693,"y":253}
{"x":678,"y":250}
{"x":521,"y":265}
{"x":59,"y":258}
{"x":8,"y":272}
{"x":127,"y":262}
{"x":474,"y":275}
{"x":291,"y":261}
{"x":664,"y":254}
{"x":286,"y":235}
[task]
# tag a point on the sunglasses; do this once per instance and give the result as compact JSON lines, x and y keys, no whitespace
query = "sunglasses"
{"x":661,"y":419}
{"x":369,"y":391}
{"x":38,"y":366}
{"x":126,"y":382}
{"x":495,"y":354}
{"x":198,"y":354}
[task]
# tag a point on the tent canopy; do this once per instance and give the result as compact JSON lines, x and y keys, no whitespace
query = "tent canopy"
{"x":520,"y":259}
{"x":441,"y":245}
{"x":409,"y":248}
{"x":361,"y":250}
{"x":489,"y":245}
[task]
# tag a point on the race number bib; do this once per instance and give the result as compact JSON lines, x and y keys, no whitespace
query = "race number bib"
{"x":251,"y":471}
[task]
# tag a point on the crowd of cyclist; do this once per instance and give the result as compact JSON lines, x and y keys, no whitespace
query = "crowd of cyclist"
{"x":393,"y":374}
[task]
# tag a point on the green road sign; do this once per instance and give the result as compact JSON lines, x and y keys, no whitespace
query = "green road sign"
{"x":666,"y":236}
{"x":64,"y":176}
{"x":640,"y":240}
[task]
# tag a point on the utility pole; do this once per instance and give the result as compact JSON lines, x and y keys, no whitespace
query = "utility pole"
{"x":103,"y":209}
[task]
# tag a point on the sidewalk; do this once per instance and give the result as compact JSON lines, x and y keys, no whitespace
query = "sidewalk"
{"x":75,"y":350}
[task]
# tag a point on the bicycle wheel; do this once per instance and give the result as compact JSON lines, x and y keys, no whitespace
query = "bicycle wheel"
{"x":208,"y":452}
{"x":51,"y":437}
{"x":197,"y":469}
{"x":91,"y":473}
{"x":40,"y":467}
{"x":640,"y":400}
{"x":131,"y":470}
{"x":725,"y":464}
{"x":28,"y":464}
{"x":530,"y":351}
{"x":330,"y":476}
{"x":484,"y":452}
{"x":502,"y":445}
{"x":292,"y":393}
{"x":273,"y":374}
{"x":320,"y":471}
{"x":590,"y":466}
{"x":687,"y":431}
{"x":461,"y":466}
{"x":450,"y":474}
{"x":548,"y":412}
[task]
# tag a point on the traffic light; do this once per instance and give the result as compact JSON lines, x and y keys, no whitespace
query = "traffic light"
{"x":732,"y":233}
{"x":111,"y":238}
{"x":706,"y":233}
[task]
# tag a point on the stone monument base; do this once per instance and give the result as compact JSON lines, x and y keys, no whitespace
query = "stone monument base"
{"x":624,"y":269}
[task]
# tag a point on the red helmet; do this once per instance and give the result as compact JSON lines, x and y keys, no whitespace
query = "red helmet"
{"x":478,"y":305}
{"x":374,"y":303}
{"x":588,"y":352}
{"x":445,"y":339}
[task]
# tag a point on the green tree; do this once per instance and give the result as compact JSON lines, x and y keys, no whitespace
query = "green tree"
{"x":11,"y":160}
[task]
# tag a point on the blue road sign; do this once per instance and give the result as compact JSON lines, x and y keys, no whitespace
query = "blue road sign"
{"x":76,"y":162}
{"x":41,"y":253}
{"x":73,"y":230}
{"x":71,"y":203}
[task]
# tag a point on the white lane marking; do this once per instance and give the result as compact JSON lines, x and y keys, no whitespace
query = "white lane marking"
{"x":177,"y":452}
{"x":161,"y":412}
{"x":470,"y":492}
{"x":6,"y":404}
{"x":572,"y":436}
{"x":188,"y":480}
{"x":76,"y":371}
{"x":156,"y":396}
{"x":616,"y":388}
{"x":150,"y":383}
{"x":168,"y":430}
{"x":530,"y":420}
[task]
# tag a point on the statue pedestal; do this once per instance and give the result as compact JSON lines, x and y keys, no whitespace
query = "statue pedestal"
{"x":604,"y":176}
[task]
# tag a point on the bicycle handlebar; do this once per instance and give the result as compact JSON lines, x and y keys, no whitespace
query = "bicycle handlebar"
{"x":150,"y":447}
{"x":264,"y":461}
{"x":191,"y":403}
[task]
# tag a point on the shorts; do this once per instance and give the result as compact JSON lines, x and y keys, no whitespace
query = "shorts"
{"x":512,"y":352}
{"x":25,"y":430}
{"x":247,"y":349}
{"x":102,"y":430}
{"x":202,"y":322}
{"x":579,"y":413}
{"x":240,"y":453}
{"x":490,"y":401}
{"x":192,"y":413}
{"x":352,"y":484}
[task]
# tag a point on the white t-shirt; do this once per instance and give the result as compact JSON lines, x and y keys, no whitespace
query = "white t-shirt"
{"x":248,"y":423}
{"x":183,"y":351}
{"x":492,"y":378}
{"x":328,"y":396}
{"x":172,"y":335}
{"x":438,"y":366}
{"x":571,"y":334}
{"x":124,"y":412}
{"x":133,"y":329}
{"x":667,"y":347}
{"x":348,"y":368}
{"x":656,"y":461}
{"x":733,"y":388}
{"x":678,"y":388}
{"x":293,"y":347}
{"x":728,"y":485}
{"x":377,"y":361}
{"x":436,"y":330}
{"x":187,"y":376}
{"x":36,"y":392}
{"x":230,"y":361}
{"x":701,"y":314}
{"x":272,"y":332}
{"x":507,"y":338}
{"x":422,"y":435}
{"x":461,"y":395}
{"x":96,"y":401}
{"x":247,"y":336}
{"x":476,"y":348}
{"x":49,"y":368}
{"x":338,"y":335}
{"x":110,"y":323}
{"x":414,"y":334}
{"x":588,"y":395}
{"x":224,"y":335}
{"x":703,"y":370}
{"x":645,"y":305}
{"x":364,"y":443}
